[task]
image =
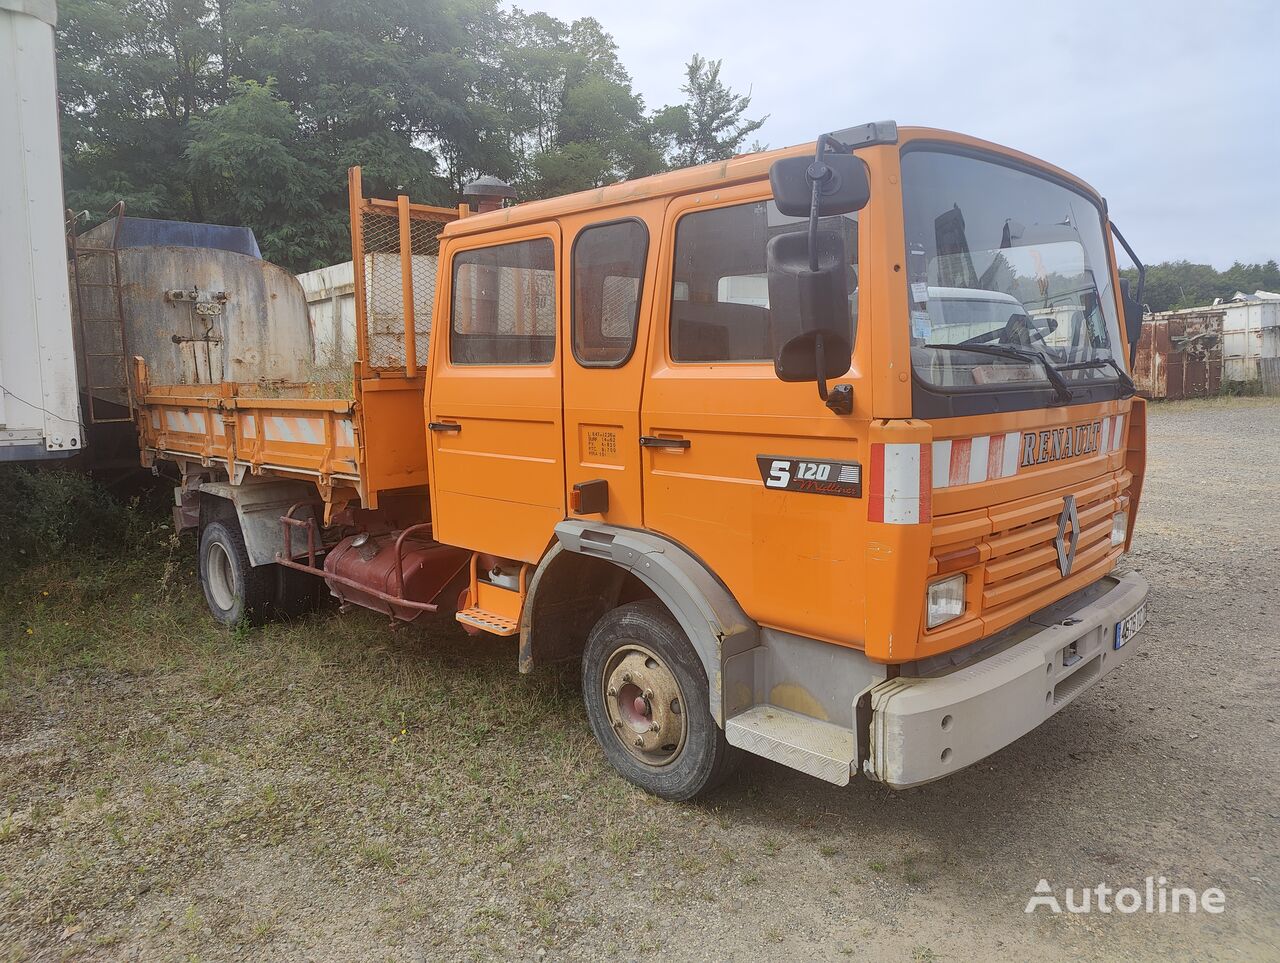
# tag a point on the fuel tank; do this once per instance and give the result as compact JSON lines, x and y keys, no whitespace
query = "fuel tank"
{"x":370,"y":561}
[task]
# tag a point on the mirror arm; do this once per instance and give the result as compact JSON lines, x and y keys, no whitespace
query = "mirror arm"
{"x":1142,"y":283}
{"x":1142,"y":270}
{"x":819,"y":173}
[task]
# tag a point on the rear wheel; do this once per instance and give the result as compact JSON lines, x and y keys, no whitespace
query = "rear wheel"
{"x":645,"y":691}
{"x":235,"y":590}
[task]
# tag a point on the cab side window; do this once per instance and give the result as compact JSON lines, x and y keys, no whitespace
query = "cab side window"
{"x":608,"y":271}
{"x":503,"y":307}
{"x":720,"y":293}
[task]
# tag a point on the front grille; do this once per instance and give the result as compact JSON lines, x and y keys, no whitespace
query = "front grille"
{"x":1021,"y":573}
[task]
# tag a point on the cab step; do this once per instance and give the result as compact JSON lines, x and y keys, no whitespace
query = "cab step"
{"x":490,"y":622}
{"x":802,"y":742}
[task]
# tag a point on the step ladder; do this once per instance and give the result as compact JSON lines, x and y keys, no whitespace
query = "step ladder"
{"x":491,"y":607}
{"x":99,"y":306}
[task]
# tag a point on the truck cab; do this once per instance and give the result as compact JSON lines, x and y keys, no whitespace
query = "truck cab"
{"x":898,"y":588}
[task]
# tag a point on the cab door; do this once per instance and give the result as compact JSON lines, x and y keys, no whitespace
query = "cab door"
{"x":609,"y":293}
{"x":494,"y":402}
{"x":727,"y":446}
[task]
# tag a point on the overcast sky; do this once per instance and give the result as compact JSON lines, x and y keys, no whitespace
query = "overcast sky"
{"x":1170,"y":109}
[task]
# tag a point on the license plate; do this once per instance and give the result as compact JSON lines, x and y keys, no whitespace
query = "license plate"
{"x":1131,"y":625}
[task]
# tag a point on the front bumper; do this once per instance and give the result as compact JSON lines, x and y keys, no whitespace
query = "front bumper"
{"x":927,"y":727}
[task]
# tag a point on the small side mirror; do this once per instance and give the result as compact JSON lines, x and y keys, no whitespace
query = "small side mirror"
{"x":842,"y":184}
{"x":1132,"y":320}
{"x":809,"y":308}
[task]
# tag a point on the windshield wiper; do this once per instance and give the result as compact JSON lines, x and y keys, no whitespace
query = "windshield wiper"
{"x":1127,"y":388}
{"x":1061,"y":389}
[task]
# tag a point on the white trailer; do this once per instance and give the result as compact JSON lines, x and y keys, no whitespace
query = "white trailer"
{"x":39,"y":395}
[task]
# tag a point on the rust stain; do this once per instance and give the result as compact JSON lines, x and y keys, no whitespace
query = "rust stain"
{"x":789,"y":695}
{"x":1180,"y":354}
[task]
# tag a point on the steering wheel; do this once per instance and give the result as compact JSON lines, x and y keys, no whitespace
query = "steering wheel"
{"x":1019,"y":331}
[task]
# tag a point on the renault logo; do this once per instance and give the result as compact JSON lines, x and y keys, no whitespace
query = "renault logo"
{"x":1068,"y":534}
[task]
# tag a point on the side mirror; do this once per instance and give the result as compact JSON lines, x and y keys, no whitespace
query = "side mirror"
{"x":841,"y":180}
{"x":808,"y":279}
{"x":812,"y":329}
{"x":1132,"y":319}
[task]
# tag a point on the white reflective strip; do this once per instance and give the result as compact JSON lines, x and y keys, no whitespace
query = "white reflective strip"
{"x":979,"y":453}
{"x":278,"y":429}
{"x":309,"y":427}
{"x":346,"y":433}
{"x":902,"y":484}
{"x":1105,"y":445}
{"x":941,"y":464}
{"x":218,"y":429}
{"x":1011,"y":442}
{"x":155,"y":419}
{"x":249,"y":426}
{"x":1117,"y":439}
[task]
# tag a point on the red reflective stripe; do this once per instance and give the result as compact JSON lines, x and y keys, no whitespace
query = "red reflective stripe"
{"x":926,"y":482}
{"x":995,"y":457}
{"x":875,"y":504}
{"x":960,"y":449}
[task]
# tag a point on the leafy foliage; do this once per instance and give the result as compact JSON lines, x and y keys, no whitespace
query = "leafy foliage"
{"x":250,"y":111}
{"x":709,"y":125}
{"x":62,"y":512}
{"x":1180,"y":284}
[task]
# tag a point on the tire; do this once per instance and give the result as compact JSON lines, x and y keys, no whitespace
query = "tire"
{"x":234,"y":590}
{"x":638,"y":656}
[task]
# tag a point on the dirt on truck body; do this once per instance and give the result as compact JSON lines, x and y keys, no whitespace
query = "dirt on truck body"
{"x":826,"y":454}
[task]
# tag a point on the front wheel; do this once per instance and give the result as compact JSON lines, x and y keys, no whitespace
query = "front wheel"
{"x":645,"y":691}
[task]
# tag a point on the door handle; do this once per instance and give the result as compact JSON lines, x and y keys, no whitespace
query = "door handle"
{"x":653,"y":441}
{"x":443,"y":426}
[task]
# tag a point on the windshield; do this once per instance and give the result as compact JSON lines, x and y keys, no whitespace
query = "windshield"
{"x":1001,"y":263}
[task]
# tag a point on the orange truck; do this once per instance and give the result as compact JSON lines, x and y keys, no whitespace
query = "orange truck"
{"x":829,"y":454}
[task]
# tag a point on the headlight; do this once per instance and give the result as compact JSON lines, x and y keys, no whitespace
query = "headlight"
{"x":945,"y":599}
{"x":1119,"y":528}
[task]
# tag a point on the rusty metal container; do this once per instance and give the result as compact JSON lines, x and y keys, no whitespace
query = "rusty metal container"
{"x":195,"y":300}
{"x":399,"y":573}
{"x":1180,"y":354}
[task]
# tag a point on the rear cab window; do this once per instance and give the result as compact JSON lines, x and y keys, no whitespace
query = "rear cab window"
{"x":608,"y":273}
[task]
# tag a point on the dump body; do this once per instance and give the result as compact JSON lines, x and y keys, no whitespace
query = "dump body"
{"x":39,"y":395}
{"x":257,"y":399}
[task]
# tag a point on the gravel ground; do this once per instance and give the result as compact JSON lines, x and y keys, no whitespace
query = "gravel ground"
{"x":331,"y":790}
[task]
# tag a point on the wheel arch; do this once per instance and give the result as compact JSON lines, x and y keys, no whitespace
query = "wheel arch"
{"x":257,"y":507}
{"x":585,"y":573}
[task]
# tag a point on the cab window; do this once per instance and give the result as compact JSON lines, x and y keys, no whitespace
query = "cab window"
{"x":608,"y":270}
{"x":503,"y":307}
{"x":720,"y":292}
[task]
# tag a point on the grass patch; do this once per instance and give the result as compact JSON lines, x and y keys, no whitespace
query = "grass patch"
{"x":327,"y":767}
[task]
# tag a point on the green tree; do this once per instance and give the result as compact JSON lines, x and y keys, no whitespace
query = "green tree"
{"x":258,"y":169}
{"x":1173,"y":285}
{"x":250,"y":111}
{"x":710,"y":125}
{"x":572,"y":117}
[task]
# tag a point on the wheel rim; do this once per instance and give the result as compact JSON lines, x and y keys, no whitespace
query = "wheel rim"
{"x":221,"y":575}
{"x":645,"y":705}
